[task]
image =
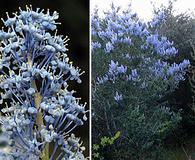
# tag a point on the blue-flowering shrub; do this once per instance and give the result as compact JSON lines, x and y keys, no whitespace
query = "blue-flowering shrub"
{"x":180,"y":28}
{"x":131,"y":76}
{"x":39,"y":112}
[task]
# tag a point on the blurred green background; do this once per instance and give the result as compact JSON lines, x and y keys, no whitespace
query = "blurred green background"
{"x":74,"y":18}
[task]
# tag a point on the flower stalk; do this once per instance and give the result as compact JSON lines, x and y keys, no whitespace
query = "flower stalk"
{"x":39,"y":117}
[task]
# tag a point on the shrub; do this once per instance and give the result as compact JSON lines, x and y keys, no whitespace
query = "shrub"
{"x":180,"y":28}
{"x":131,"y":76}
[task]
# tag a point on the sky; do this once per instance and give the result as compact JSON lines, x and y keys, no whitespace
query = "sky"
{"x":144,"y":7}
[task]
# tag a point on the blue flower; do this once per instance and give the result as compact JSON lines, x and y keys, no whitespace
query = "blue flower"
{"x":133,"y":76}
{"x":95,"y":45}
{"x":118,"y":97}
{"x":109,"y":47}
{"x":158,"y":19}
{"x":36,"y":87}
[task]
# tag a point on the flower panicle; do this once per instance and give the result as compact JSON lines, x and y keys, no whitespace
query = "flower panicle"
{"x":35,"y":72}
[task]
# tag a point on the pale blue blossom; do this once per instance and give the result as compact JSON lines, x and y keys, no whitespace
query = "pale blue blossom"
{"x":158,"y":19}
{"x":115,"y":69}
{"x":120,"y":27}
{"x":118,"y":97}
{"x":95,"y":45}
{"x":134,"y":76}
{"x":38,"y":66}
{"x":109,"y":47}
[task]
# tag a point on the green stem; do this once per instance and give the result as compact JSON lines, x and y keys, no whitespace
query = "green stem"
{"x":45,"y":153}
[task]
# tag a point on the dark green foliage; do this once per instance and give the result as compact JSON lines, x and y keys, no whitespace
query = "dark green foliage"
{"x":180,"y":28}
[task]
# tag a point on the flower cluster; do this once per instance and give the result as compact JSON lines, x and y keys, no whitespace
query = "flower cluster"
{"x":158,"y":19}
{"x":133,"y":76}
{"x":35,"y":70}
{"x":118,"y":97}
{"x":123,"y":30}
{"x":114,"y":69}
{"x":114,"y":72}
